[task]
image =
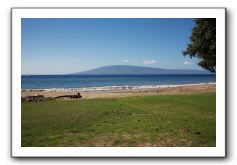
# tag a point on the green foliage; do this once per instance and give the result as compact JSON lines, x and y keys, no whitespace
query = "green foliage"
{"x":203,"y":43}
{"x":133,"y":121}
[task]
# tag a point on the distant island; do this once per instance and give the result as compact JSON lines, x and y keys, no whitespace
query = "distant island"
{"x":131,"y":70}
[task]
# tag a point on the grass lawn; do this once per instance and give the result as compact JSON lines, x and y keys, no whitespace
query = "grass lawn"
{"x":175,"y":120}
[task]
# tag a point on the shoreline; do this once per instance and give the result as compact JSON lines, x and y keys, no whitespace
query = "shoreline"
{"x":123,"y":91}
{"x":110,"y":88}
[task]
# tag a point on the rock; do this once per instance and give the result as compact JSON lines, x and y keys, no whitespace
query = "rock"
{"x":33,"y":98}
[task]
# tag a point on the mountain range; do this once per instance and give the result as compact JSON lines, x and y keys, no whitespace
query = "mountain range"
{"x":131,"y":70}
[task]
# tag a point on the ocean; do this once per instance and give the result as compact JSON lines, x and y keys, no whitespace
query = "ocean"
{"x":107,"y":82}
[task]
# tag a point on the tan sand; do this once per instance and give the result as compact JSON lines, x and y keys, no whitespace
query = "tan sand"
{"x":188,"y":89}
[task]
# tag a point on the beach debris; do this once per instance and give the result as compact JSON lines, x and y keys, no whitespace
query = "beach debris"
{"x":78,"y":95}
{"x":39,"y":98}
{"x":36,"y":98}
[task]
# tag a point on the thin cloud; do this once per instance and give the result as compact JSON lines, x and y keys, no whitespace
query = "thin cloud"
{"x":187,"y":63}
{"x":125,"y":60}
{"x":148,"y":62}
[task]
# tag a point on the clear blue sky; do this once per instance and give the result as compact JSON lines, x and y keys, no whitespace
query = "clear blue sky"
{"x":59,"y":46}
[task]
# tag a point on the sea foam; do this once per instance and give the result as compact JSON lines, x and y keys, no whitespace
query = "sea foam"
{"x":114,"y":88}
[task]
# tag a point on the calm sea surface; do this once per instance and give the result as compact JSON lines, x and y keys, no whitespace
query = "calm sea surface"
{"x":88,"y":81}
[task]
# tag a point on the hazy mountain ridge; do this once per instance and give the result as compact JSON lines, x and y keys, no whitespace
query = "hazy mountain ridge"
{"x":126,"y":70}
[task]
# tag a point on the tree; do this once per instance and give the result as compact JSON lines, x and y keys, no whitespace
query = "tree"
{"x":203,"y":43}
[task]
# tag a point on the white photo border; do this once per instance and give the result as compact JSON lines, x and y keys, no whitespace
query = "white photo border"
{"x":219,"y":13}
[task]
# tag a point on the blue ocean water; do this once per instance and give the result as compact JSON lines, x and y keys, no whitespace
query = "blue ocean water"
{"x":88,"y":81}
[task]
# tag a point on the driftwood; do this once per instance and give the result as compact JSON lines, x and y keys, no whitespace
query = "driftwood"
{"x":78,"y":95}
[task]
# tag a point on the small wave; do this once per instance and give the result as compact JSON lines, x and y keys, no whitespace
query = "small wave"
{"x":114,"y":88}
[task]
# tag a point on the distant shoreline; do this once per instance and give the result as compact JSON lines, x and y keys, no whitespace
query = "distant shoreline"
{"x":115,"y":91}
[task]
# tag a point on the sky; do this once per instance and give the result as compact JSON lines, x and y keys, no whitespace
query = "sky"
{"x":69,"y":45}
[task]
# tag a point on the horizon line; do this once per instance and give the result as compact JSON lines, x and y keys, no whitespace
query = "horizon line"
{"x":75,"y":73}
{"x":112,"y":74}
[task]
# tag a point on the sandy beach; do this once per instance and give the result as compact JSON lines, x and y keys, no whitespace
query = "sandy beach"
{"x":168,"y":90}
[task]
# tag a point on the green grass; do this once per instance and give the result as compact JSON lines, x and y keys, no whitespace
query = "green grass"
{"x":175,"y":120}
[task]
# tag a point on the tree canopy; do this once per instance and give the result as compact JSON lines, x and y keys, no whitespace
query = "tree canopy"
{"x":203,"y":43}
